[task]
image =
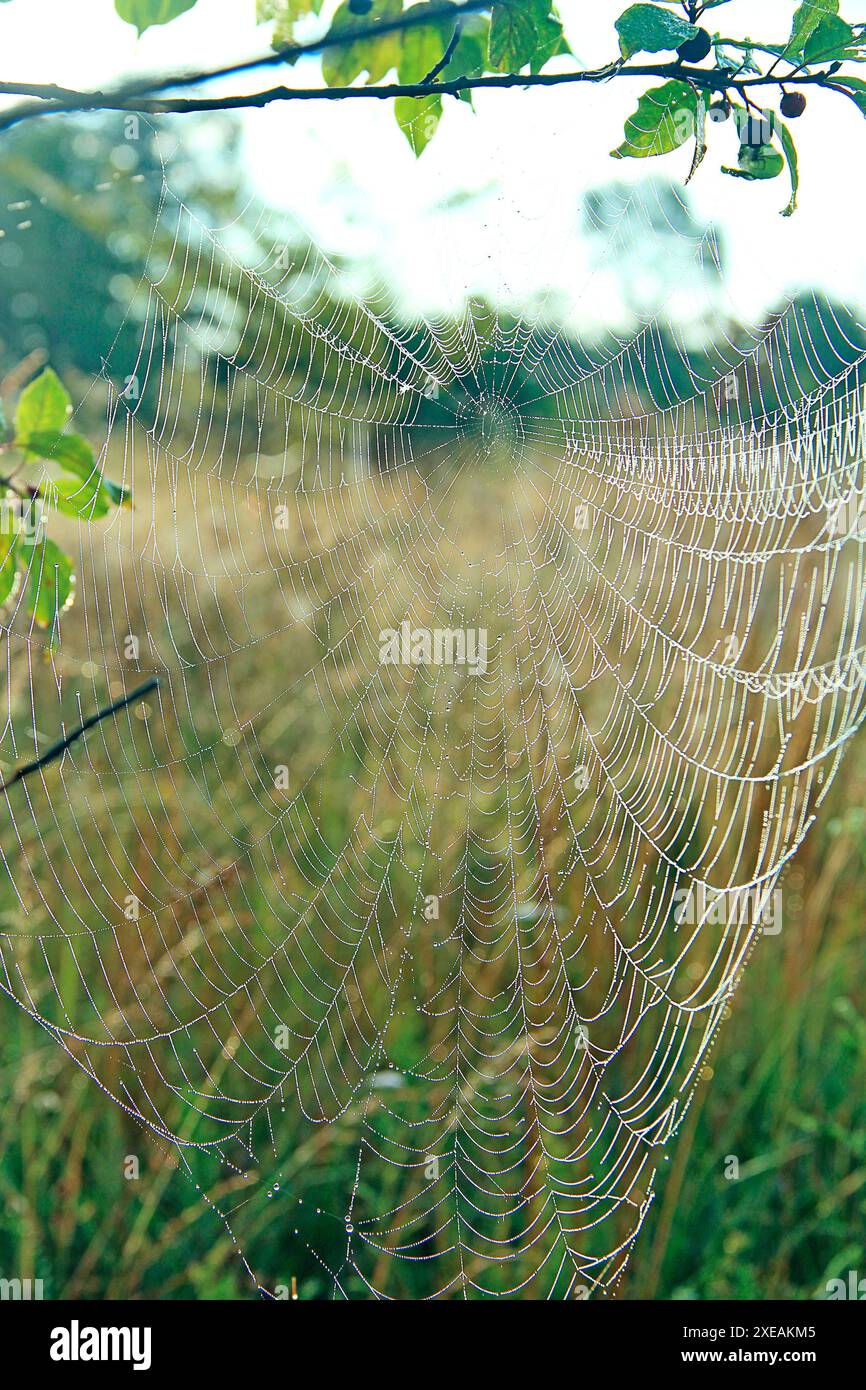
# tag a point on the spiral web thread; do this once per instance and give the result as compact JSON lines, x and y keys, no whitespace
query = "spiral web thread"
{"x":305,"y":903}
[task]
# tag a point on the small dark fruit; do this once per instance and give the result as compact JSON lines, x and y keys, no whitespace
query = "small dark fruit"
{"x":697,"y":49}
{"x":720,"y":111}
{"x":793,"y":105}
{"x":360,"y":7}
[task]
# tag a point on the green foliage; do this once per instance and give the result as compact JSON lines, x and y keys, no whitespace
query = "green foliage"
{"x":8,"y":561}
{"x":524,"y":35}
{"x":758,"y":162}
{"x":652,"y":29}
{"x":418,"y":119}
{"x":658,"y":126}
{"x":469,"y":58}
{"x":144,"y":13}
{"x":70,"y":451}
{"x":809,"y":17}
{"x":831,"y":39}
{"x":857,"y":87}
{"x":420,"y":49}
{"x":44,"y":406}
{"x":789,"y":150}
{"x":91,"y":312}
{"x":50,"y":581}
{"x":375,"y":56}
{"x":284,"y":13}
{"x":518,"y":34}
{"x":76,"y":488}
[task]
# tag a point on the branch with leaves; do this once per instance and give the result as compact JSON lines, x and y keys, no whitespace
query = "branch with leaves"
{"x":441,"y":49}
{"x":45,"y":469}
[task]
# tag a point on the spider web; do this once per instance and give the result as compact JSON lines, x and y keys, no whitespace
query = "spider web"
{"x":476,"y":929}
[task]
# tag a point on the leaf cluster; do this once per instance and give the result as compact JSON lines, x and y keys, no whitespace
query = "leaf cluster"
{"x":52,"y":470}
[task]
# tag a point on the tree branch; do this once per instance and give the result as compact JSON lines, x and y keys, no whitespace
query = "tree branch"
{"x":54,"y":100}
{"x":45,"y":91}
{"x":710,"y":79}
{"x":59,"y":748}
{"x":144,"y":94}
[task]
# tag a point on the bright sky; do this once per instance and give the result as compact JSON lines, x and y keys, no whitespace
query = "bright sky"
{"x":348,"y":174}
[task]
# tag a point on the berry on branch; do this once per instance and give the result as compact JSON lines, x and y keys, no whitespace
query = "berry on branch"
{"x":697,"y":49}
{"x":793,"y":104}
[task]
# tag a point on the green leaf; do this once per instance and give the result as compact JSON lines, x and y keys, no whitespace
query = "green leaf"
{"x":43,"y":405}
{"x":469,"y":58}
{"x":806,"y":20}
{"x":857,"y":87}
{"x":664,"y":120}
{"x":120,"y":496}
{"x":8,"y":556}
{"x":50,"y":581}
{"x":418,"y":118}
{"x":284,"y":13}
{"x":833,"y":39}
{"x":375,"y":56}
{"x":757,"y":162}
{"x":647,"y":29}
{"x":700,"y":134}
{"x":514,"y":34}
{"x":551,"y":43}
{"x":422,"y":46}
{"x":87,"y":496}
{"x":761,"y":161}
{"x":68,"y":451}
{"x":144,"y":13}
{"x":789,"y":149}
{"x":84,"y":498}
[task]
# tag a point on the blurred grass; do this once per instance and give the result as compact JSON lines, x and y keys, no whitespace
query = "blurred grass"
{"x":786,"y":1100}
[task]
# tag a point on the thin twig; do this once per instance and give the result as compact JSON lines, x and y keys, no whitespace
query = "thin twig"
{"x":446,"y":57}
{"x":59,"y":748}
{"x":46,"y":91}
